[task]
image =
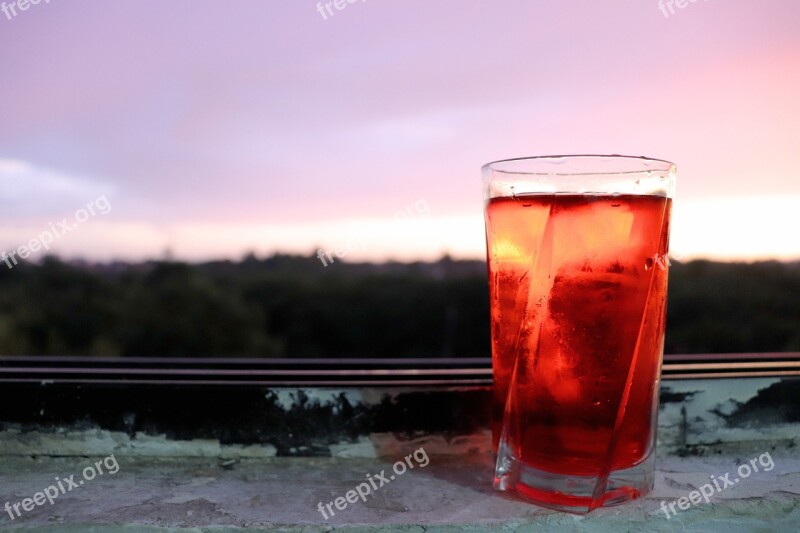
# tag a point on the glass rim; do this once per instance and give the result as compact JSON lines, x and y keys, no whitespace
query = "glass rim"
{"x":645,"y":164}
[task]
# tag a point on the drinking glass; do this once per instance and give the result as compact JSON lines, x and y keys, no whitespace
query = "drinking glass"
{"x":577,"y":254}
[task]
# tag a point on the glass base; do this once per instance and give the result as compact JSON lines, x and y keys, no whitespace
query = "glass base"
{"x":572,"y":493}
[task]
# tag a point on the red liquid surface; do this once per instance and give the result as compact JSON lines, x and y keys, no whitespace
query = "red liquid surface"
{"x":578,"y":303}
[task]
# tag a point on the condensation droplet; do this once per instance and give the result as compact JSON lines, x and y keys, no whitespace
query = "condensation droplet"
{"x":648,"y":263}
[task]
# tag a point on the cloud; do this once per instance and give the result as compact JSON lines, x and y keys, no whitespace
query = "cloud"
{"x":28,"y":191}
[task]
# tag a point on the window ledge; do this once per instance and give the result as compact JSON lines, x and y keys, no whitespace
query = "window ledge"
{"x":241,"y":464}
{"x":166,"y":493}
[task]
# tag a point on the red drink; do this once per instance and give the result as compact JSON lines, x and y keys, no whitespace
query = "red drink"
{"x":578,"y":301}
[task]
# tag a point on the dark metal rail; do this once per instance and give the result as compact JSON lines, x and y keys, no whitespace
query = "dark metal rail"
{"x":341,"y":372}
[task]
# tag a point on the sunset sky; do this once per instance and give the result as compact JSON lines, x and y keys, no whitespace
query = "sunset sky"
{"x":216,"y":128}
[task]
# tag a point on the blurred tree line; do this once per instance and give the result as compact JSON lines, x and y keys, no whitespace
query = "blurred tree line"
{"x":292,"y":306}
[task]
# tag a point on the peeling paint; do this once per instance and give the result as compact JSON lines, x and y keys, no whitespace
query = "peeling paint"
{"x":695,"y":416}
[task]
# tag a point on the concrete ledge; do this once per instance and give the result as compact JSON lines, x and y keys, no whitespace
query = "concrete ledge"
{"x":270,"y":469}
{"x":451,"y":493}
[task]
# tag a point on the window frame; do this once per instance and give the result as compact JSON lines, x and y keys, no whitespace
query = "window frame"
{"x":153,"y":371}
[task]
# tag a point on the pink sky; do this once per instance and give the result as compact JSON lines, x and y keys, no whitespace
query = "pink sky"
{"x":215,"y":128}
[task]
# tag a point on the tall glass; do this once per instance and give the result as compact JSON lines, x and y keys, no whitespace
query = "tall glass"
{"x":577,"y":251}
